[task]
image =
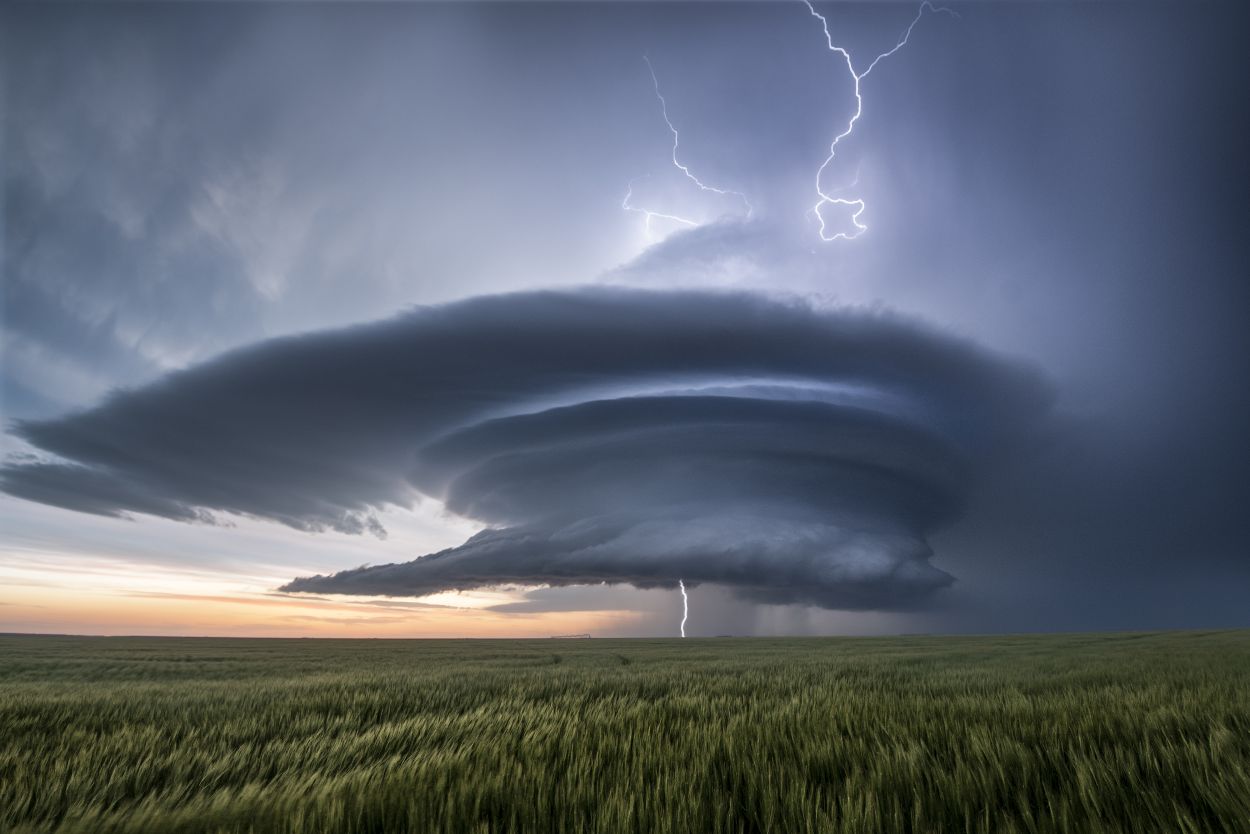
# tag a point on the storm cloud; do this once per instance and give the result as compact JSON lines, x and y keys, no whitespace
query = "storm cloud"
{"x":1063,"y":182}
{"x":787,"y":451}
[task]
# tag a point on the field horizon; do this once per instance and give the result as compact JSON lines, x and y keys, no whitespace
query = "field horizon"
{"x":1196,"y":630}
{"x":1124,"y":732}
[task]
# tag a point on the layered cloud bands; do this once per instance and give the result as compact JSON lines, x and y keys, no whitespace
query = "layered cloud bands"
{"x":791,"y":453}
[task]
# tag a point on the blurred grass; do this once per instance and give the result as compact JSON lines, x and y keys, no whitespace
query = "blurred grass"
{"x":1075,"y":733}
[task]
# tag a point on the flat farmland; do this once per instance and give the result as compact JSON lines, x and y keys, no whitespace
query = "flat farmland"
{"x":1131,"y":732}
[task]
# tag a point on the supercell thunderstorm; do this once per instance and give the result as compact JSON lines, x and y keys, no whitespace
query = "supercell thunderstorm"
{"x":789,"y":453}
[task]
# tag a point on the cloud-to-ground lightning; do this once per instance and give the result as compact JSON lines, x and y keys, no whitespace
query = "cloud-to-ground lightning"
{"x":685,"y":606}
{"x":857,"y":204}
{"x":680,"y":166}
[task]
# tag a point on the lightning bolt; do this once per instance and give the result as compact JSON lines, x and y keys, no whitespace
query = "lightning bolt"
{"x":685,"y":606}
{"x":856,"y":204}
{"x":724,"y":192}
{"x":680,"y":166}
{"x":649,"y":214}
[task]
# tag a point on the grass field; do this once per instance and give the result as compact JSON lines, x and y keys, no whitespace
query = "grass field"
{"x":1106,"y":733}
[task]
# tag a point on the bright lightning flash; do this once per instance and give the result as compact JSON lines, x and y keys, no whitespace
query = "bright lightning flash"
{"x":685,"y":606}
{"x":724,"y":192}
{"x":651,"y":215}
{"x":685,"y":170}
{"x":856,"y":204}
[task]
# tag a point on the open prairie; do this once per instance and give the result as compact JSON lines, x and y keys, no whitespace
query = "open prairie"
{"x":1132,"y":732}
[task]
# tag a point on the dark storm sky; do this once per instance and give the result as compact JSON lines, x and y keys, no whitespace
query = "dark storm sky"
{"x":1054,"y":190}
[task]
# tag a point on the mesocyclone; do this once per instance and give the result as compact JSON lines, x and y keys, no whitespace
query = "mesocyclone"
{"x":789,"y":452}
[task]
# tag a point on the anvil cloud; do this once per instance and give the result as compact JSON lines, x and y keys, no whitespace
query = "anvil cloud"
{"x":602,"y":435}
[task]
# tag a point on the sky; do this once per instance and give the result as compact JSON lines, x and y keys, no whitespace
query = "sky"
{"x":410,"y":319}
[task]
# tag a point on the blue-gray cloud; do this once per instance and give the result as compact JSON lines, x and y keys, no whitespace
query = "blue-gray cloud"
{"x":605,"y":435}
{"x":181,"y":181}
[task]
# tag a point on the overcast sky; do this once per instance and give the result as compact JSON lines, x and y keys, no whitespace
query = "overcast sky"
{"x":274,"y":308}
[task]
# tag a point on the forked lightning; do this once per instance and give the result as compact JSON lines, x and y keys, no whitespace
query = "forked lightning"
{"x":856,"y":204}
{"x":677,"y":163}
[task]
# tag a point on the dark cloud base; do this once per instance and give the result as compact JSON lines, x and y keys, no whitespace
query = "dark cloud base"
{"x":790,"y":453}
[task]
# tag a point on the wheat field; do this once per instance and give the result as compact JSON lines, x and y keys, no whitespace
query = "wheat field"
{"x":1140,"y":732}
